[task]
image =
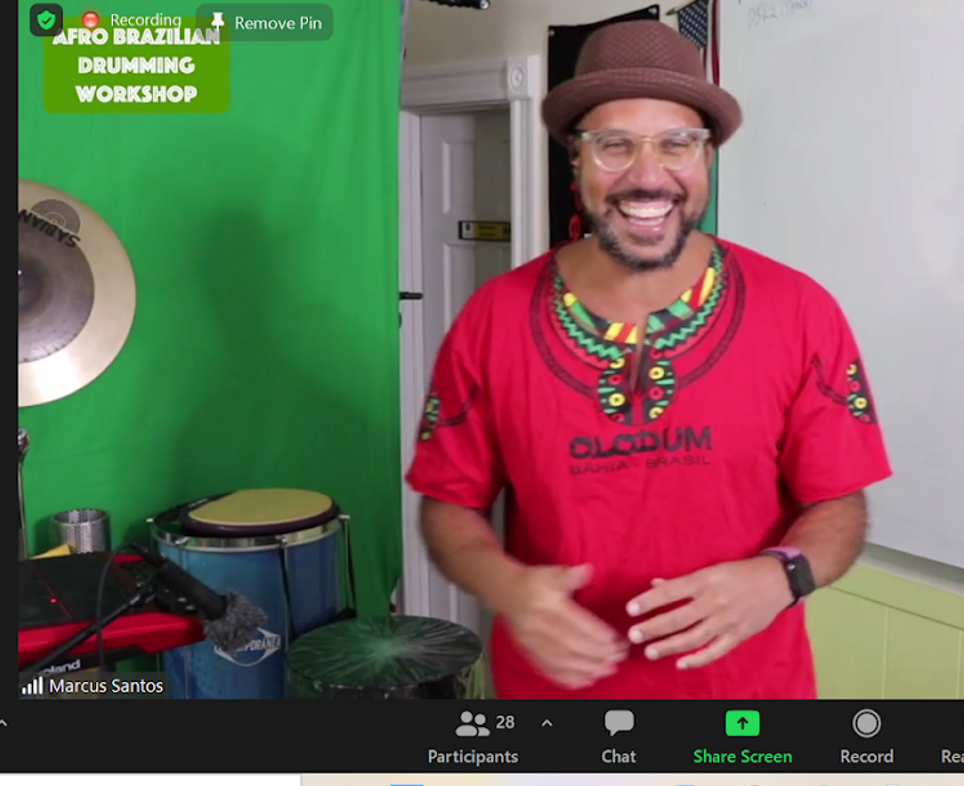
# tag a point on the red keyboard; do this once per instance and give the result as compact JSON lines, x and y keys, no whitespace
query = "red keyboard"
{"x":149,"y":632}
{"x":57,"y":599}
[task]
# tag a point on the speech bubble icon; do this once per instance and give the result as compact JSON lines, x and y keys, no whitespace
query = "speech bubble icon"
{"x":619,"y":720}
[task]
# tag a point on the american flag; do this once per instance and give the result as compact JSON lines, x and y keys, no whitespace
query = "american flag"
{"x":694,"y":24}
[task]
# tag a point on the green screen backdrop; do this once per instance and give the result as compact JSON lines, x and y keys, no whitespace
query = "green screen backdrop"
{"x":264,"y":352}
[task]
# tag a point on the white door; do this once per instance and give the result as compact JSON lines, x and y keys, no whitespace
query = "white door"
{"x":465,"y":178}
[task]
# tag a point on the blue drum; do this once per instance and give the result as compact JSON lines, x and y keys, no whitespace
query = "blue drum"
{"x":279,"y":548}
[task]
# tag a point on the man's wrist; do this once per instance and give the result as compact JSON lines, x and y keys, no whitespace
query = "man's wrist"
{"x":780,"y":583}
{"x":504,"y":579}
{"x":796,"y":570}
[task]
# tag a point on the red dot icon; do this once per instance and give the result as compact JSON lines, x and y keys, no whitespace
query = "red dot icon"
{"x":90,"y":20}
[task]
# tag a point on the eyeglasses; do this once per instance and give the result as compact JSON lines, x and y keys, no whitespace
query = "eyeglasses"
{"x":616,"y":151}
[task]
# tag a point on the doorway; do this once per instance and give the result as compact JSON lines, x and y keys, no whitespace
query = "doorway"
{"x":465,"y":207}
{"x":471,"y":150}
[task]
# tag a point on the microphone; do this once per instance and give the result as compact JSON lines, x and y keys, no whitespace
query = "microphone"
{"x":231,"y":621}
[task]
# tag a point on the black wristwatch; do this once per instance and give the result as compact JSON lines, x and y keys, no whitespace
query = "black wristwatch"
{"x":797,"y":568}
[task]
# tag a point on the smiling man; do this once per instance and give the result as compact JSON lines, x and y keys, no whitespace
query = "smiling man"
{"x":683,"y":427}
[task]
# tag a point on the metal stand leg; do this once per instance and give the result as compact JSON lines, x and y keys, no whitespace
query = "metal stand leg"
{"x":23,"y":442}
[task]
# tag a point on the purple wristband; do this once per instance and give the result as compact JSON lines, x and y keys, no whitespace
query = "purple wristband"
{"x":787,"y":551}
{"x":785,"y":554}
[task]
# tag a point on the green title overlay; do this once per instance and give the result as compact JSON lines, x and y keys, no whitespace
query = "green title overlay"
{"x":173,"y":67}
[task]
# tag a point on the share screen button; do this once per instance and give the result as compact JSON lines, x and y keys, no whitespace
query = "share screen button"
{"x":742,"y":723}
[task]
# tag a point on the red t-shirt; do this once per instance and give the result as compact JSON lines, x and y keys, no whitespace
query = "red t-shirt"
{"x":754,"y":395}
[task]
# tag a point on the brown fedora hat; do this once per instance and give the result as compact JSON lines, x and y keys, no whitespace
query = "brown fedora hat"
{"x":644,"y":59}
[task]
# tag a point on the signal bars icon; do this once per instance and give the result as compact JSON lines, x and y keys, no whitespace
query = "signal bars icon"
{"x":33,"y":688}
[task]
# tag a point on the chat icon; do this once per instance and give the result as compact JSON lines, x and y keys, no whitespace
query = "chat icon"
{"x":619,"y":720}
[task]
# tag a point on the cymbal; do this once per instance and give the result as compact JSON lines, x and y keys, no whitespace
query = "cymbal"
{"x":76,"y":295}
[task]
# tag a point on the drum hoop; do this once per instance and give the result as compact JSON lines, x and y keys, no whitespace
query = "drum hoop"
{"x":207,"y":530}
{"x":190,"y":542}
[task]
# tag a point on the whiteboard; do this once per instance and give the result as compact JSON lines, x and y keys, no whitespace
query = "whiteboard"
{"x":850,"y":168}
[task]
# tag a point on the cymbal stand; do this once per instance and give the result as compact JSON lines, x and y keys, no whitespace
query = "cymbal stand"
{"x":23,"y":442}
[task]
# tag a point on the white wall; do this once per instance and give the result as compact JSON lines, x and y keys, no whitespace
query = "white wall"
{"x":438,"y":35}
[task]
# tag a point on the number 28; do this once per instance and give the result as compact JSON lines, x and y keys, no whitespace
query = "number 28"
{"x":505,"y":721}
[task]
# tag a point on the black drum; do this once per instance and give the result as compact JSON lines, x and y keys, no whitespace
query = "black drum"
{"x":388,"y":657}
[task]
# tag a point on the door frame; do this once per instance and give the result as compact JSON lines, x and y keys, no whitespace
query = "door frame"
{"x":516,"y":84}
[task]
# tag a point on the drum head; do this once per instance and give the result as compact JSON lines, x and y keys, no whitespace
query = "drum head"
{"x":259,"y":512}
{"x":385,"y":658}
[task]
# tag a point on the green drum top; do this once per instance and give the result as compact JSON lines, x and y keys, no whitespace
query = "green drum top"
{"x":384,"y":657}
{"x":256,"y":507}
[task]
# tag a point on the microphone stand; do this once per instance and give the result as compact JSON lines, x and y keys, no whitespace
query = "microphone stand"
{"x":144,"y":595}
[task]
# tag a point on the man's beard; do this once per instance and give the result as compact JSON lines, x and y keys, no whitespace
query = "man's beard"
{"x":609,"y":242}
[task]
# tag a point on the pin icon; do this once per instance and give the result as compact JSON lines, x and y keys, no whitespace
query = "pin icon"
{"x":90,"y":20}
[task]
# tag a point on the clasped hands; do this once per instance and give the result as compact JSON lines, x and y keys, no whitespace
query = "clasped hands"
{"x":722,"y":606}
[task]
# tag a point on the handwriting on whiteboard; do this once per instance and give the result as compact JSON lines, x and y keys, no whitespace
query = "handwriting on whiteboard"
{"x":782,"y":9}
